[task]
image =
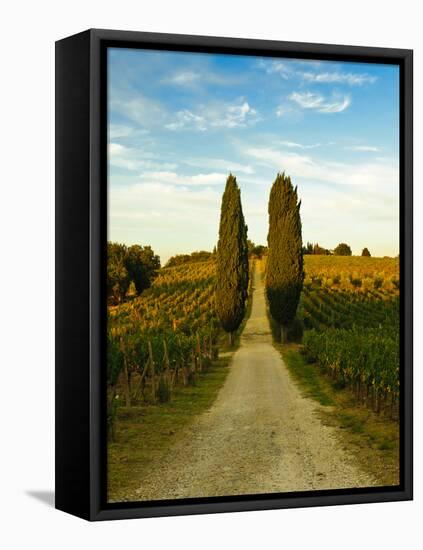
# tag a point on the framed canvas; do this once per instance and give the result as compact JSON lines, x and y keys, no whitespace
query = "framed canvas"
{"x":233,"y":274}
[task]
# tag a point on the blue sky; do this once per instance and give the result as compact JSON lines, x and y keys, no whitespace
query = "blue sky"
{"x":179,"y":122}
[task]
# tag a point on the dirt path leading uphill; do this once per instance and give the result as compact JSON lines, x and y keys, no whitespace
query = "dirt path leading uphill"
{"x":260,"y":436}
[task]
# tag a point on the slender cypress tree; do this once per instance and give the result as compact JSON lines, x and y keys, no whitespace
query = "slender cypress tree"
{"x":284,"y":273}
{"x":232,"y":260}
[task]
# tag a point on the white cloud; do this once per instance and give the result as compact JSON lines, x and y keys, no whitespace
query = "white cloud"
{"x":310,"y":100}
{"x":218,"y":115}
{"x":235,"y":115}
{"x":119,"y":131}
{"x":187,"y":119}
{"x":172,"y":178}
{"x":194,"y":78}
{"x":148,"y":113}
{"x":142,"y":110}
{"x":365,"y":148}
{"x":289,"y":70}
{"x":220,"y":164}
{"x":293,"y":144}
{"x":276,"y":67}
{"x":134,"y":159}
{"x":384,"y":176}
{"x":281,"y":111}
{"x":184,"y":78}
{"x":353,"y":79}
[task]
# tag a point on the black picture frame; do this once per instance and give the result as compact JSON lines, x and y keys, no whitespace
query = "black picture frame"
{"x":81,"y":218}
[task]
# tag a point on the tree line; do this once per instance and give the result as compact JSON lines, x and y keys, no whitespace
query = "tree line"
{"x":343,"y":249}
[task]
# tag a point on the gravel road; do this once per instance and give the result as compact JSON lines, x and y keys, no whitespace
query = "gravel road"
{"x":260,"y":436}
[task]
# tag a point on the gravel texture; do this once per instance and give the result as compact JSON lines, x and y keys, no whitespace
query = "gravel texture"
{"x":260,"y":436}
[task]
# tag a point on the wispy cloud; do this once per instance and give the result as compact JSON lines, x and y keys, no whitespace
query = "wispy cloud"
{"x":293,"y":144}
{"x":353,"y":79}
{"x":187,"y":119}
{"x":183,"y":78}
{"x":294,"y":70}
{"x":135,"y":159}
{"x":365,"y":148}
{"x":281,"y":111}
{"x":196,"y":77}
{"x":320,"y":103}
{"x":145,"y":111}
{"x":371,"y":174}
{"x":276,"y":67}
{"x":119,"y":130}
{"x":218,"y":115}
{"x":173,"y":178}
{"x":220,"y":164}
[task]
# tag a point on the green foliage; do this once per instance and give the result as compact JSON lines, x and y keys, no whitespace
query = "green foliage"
{"x":250,"y":246}
{"x":258,"y":251}
{"x":177,"y":309}
{"x":142,"y":266}
{"x":285,"y":273}
{"x":366,"y":252}
{"x":114,"y":360}
{"x":342,"y":249}
{"x":232,"y":259}
{"x":137,"y":264}
{"x":316,"y":250}
{"x":369,"y":358}
{"x":352,"y":329}
{"x":180,"y":259}
{"x":295,"y":331}
{"x":118,"y":278}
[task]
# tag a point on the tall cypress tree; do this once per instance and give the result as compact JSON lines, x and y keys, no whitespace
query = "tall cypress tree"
{"x":232,"y":260}
{"x":285,"y":273}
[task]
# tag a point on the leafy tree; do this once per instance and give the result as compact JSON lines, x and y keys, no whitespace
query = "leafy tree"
{"x":232,"y":260}
{"x":342,"y":249}
{"x":136,"y":263}
{"x":319,"y":250}
{"x":259,"y":250}
{"x":308,"y":249}
{"x":142,"y":266}
{"x":316,"y":250}
{"x":285,"y":272}
{"x":366,"y":252}
{"x":251,"y":247}
{"x":118,"y":278}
